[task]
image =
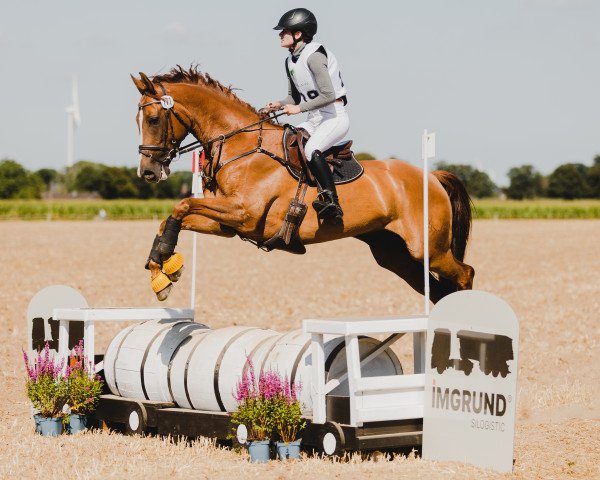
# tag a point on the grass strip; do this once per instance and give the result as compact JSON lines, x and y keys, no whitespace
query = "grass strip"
{"x":159,"y":209}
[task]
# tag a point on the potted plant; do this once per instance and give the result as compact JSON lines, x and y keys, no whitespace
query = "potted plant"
{"x":84,"y":389}
{"x":288,"y":420}
{"x":47,"y":390}
{"x":255,"y":410}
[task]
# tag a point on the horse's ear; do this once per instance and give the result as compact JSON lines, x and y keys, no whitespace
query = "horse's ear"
{"x":149,"y":85}
{"x":145,"y":85}
{"x":139,"y":85}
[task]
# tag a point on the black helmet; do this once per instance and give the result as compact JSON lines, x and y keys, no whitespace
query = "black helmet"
{"x":298,"y":20}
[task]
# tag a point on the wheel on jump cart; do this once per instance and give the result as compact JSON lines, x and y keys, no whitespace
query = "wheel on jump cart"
{"x":331,"y":440}
{"x":137,"y":420}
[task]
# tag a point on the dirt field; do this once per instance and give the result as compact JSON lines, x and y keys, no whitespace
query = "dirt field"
{"x":547,"y":270}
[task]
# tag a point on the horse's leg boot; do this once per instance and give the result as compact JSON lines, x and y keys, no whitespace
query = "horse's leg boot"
{"x":173,"y":266}
{"x":326,"y":204}
{"x":163,"y":253}
{"x":164,"y":245}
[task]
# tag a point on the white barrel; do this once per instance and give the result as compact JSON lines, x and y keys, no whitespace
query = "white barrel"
{"x":292,"y":357}
{"x":179,"y":366}
{"x":136,"y":362}
{"x":204,"y":375}
{"x":199,"y":368}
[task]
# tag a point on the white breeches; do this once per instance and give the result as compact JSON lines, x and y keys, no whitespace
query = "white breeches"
{"x":327,"y":126}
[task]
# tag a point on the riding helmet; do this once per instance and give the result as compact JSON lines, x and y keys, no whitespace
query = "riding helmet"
{"x":298,"y":20}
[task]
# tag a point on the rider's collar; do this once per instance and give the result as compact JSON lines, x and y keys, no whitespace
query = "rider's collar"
{"x":298,"y":50}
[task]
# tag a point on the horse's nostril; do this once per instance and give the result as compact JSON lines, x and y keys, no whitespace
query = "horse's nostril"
{"x":148,"y":174}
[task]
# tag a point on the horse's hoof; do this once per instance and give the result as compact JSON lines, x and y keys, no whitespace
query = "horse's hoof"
{"x":161,"y":285}
{"x":173,"y":264}
{"x":163,"y":294}
{"x":175,"y":276}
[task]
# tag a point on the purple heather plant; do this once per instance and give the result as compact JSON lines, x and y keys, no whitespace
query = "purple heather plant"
{"x":46,"y":385}
{"x":268,"y":405}
{"x":84,"y":387}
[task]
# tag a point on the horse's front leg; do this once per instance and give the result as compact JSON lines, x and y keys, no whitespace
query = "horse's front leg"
{"x":216,"y":216}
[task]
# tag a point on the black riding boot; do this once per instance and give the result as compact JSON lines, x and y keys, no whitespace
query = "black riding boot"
{"x":326,"y":204}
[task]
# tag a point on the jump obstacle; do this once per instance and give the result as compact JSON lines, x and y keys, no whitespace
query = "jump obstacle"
{"x":171,"y":375}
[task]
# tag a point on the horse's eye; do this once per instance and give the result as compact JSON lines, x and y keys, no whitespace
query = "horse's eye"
{"x":153,"y":120}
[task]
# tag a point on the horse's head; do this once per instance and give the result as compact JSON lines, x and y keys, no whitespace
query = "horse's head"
{"x":162,"y":124}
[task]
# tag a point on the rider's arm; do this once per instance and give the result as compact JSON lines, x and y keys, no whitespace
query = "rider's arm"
{"x":317,"y":63}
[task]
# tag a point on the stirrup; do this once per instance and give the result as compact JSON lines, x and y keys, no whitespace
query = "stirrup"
{"x":327,"y":208}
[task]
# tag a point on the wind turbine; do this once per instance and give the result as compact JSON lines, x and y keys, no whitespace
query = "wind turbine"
{"x":73,"y":121}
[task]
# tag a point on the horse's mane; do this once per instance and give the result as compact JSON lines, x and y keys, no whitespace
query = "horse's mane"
{"x":194,"y":76}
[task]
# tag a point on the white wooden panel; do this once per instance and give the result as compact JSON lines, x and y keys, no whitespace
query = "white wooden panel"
{"x":318,"y":380}
{"x":393,"y":399}
{"x":362,"y":326}
{"x":122,"y":314}
{"x":396,"y":382}
{"x":384,"y":413}
{"x":89,"y":341}
{"x":353,"y":358}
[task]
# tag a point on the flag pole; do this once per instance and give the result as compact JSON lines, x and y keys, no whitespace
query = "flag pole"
{"x":427,"y":151}
{"x":197,"y":162}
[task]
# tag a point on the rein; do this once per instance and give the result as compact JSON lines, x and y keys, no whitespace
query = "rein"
{"x":211,"y":167}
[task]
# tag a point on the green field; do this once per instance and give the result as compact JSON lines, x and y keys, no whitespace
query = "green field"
{"x":544,"y":208}
{"x":85,"y":209}
{"x":157,"y":209}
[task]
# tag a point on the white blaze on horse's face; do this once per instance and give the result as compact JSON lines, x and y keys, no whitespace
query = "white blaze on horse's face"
{"x":149,"y":124}
{"x":140,"y":127}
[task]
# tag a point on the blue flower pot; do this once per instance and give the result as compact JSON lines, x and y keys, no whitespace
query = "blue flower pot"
{"x":48,"y":427}
{"x":259,"y":451}
{"x":78,"y":423}
{"x":288,"y":450}
{"x":37,"y":418}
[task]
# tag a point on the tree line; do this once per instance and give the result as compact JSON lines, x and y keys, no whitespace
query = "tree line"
{"x":87,"y":179}
{"x":568,"y":181}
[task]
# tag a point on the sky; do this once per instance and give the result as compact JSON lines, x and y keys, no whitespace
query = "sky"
{"x":501,"y":83}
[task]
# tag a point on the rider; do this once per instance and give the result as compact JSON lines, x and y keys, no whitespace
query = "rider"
{"x":315,"y":86}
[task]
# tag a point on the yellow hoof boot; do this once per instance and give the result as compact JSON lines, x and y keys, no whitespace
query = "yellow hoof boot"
{"x":160,"y":282}
{"x":173,"y":263}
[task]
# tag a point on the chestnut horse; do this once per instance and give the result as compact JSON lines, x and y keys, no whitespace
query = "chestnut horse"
{"x":251,"y":191}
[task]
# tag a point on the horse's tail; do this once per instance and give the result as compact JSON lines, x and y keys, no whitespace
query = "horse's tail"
{"x":461,"y":211}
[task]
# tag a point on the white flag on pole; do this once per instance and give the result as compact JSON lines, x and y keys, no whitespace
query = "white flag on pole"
{"x":430,"y":145}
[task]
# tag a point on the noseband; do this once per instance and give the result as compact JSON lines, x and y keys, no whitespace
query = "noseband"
{"x":169,"y":147}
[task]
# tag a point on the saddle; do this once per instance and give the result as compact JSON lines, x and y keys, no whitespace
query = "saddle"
{"x":344,"y":166}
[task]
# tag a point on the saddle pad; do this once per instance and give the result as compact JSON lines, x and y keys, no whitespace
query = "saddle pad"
{"x":345,"y":169}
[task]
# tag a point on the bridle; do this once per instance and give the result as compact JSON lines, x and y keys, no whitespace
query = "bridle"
{"x":170,"y":147}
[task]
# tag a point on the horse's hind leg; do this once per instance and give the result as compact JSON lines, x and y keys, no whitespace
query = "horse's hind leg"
{"x":448,"y":267}
{"x":391,"y":253}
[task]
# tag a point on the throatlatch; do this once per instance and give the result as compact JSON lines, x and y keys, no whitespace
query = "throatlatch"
{"x":164,"y":245}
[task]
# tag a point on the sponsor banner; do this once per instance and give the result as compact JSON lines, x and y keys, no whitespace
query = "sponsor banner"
{"x":471,"y":381}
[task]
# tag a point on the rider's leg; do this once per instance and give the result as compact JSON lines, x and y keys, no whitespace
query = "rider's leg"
{"x":327,"y":205}
{"x":330,"y":131}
